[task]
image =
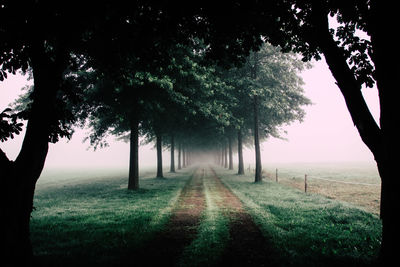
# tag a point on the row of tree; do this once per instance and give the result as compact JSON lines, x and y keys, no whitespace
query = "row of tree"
{"x":193,"y":103}
{"x":71,"y":47}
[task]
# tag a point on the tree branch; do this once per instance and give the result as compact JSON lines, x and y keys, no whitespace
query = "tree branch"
{"x":351,"y":89}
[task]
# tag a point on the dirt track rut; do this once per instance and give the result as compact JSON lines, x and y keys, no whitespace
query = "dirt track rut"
{"x":247,"y":246}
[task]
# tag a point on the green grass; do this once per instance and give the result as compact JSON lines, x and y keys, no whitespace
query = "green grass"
{"x":307,"y":229}
{"x":92,"y":219}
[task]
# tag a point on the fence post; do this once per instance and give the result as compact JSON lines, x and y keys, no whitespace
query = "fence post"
{"x":276,"y":175}
{"x":305,"y":183}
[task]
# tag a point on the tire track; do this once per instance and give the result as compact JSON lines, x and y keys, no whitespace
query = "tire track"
{"x":247,"y":245}
{"x":166,"y":248}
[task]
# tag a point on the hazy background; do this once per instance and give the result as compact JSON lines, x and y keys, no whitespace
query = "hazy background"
{"x":327,"y":133}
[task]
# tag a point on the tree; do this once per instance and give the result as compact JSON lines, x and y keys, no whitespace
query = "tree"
{"x":268,"y":91}
{"x":114,"y":108}
{"x":304,"y":26}
{"x":41,"y":37}
{"x":240,"y":152}
{"x":230,"y":153}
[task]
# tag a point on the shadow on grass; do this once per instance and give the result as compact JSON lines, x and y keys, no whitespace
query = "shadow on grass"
{"x":99,"y":222}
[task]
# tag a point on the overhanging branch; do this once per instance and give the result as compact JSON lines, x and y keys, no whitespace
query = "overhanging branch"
{"x":351,"y":89}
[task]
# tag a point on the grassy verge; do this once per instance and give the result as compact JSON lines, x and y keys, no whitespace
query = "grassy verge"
{"x":308,"y":229}
{"x":213,"y":234}
{"x":97,"y":221}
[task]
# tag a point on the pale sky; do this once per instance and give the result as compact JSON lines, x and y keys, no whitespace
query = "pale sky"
{"x":327,"y":133}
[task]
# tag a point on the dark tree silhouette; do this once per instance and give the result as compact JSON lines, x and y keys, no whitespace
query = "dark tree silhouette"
{"x":354,"y":62}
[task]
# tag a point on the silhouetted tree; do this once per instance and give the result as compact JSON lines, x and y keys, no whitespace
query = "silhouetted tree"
{"x":354,"y":61}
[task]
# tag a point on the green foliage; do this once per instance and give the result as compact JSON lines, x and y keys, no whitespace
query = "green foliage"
{"x":274,"y":77}
{"x":297,"y":31}
{"x":9,"y":125}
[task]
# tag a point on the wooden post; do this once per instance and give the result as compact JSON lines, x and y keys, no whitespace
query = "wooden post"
{"x":276,"y":175}
{"x":305,"y":183}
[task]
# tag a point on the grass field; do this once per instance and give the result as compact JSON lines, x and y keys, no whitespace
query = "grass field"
{"x":357,"y":183}
{"x":308,"y":229}
{"x":91,"y":219}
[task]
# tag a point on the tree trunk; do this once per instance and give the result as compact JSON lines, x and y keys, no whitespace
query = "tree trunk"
{"x":389,"y":207}
{"x":258,"y":175}
{"x":222,"y":156}
{"x":240,"y":153}
{"x":188,"y":157}
{"x":20,"y":176}
{"x":230,"y":153}
{"x":179,"y":156}
{"x":172,"y":166}
{"x":183,"y":156}
{"x":225,"y":156}
{"x":386,"y":66}
{"x":133,"y":180}
{"x":159,"y":157}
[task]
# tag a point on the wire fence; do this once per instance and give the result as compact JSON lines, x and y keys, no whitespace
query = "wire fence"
{"x":307,"y":176}
{"x":344,"y":182}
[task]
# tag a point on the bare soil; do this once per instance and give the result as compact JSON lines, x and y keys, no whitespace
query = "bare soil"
{"x":166,"y":248}
{"x":247,"y":246}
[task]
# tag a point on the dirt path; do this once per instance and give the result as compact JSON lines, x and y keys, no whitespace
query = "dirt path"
{"x":181,"y":229}
{"x":246,"y":247}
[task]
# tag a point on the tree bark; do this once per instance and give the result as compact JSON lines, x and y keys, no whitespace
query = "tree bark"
{"x":230,"y":153}
{"x":133,"y":180}
{"x":240,"y":153}
{"x":159,"y":157}
{"x":172,"y":166}
{"x":258,"y":175}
